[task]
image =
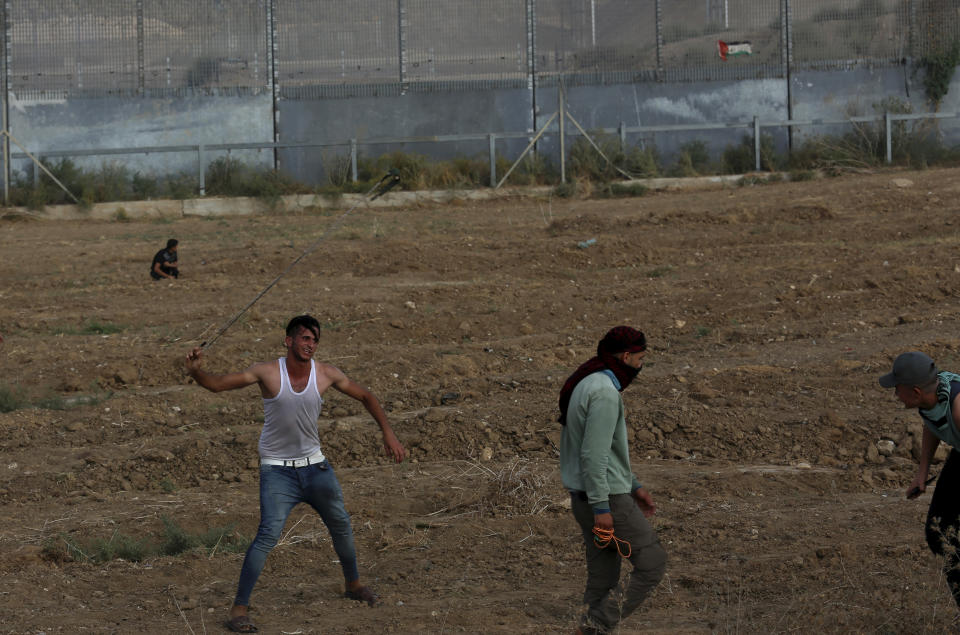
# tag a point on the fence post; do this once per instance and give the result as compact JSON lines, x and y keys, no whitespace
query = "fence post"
{"x":271,"y":6}
{"x":5,"y":83}
{"x":141,"y":81}
{"x":402,"y":43}
{"x":562,"y":115}
{"x":756,"y":142}
{"x":658,"y":10}
{"x":787,"y":36}
{"x":353,"y":159}
{"x":531,"y":30}
{"x":493,"y":159}
{"x":889,"y":135}
{"x":203,"y":185}
{"x":912,"y":34}
{"x":622,"y":131}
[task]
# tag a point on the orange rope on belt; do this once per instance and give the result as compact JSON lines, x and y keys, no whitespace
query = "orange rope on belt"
{"x":603,"y":538}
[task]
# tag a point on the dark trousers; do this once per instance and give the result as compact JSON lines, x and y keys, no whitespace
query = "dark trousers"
{"x":606,"y":607}
{"x":170,"y":271}
{"x":943,"y":522}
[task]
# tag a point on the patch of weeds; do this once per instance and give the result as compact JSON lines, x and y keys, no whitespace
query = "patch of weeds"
{"x":702,"y":331}
{"x":740,"y":159}
{"x":659,"y":272}
{"x":565,"y":190}
{"x":338,"y":168}
{"x":167,"y":486}
{"x":751,"y":179}
{"x":535,"y":169}
{"x":144,"y":187}
{"x":11,"y":399}
{"x":120,"y":547}
{"x":174,"y":541}
{"x":802,"y":175}
{"x":938,"y":69}
{"x":620,"y":190}
{"x":121,"y":215}
{"x":180,"y":186}
{"x":92,"y":326}
{"x":51,"y":402}
{"x":586,"y":163}
{"x":693,"y":160}
{"x":409,"y":166}
{"x":65,"y":548}
{"x":177,"y":540}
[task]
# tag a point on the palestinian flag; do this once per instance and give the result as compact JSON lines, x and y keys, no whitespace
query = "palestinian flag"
{"x":730,"y":49}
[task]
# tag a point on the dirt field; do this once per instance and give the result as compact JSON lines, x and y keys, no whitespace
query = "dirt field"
{"x":771,"y":311}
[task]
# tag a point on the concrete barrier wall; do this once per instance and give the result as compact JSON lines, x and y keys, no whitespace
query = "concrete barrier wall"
{"x":88,"y":124}
{"x":658,"y":104}
{"x":410,"y":115}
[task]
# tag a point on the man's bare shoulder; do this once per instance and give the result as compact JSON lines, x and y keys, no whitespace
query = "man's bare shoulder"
{"x":329,"y":370}
{"x":263,"y":368}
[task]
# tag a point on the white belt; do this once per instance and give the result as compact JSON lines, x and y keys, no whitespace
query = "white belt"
{"x":304,"y":462}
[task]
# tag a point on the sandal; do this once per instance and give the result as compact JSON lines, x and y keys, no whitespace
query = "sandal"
{"x":363,"y":594}
{"x":241,"y":624}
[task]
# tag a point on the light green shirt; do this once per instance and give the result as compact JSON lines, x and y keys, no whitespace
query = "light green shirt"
{"x":594,"y":455}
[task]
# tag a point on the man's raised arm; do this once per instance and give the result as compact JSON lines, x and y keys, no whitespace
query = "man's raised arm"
{"x":218,"y":383}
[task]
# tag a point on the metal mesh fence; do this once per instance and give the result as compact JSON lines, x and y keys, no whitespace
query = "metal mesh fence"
{"x":584,"y":38}
{"x":693,"y":30}
{"x":331,"y":48}
{"x":208,"y":47}
{"x":845,"y":31}
{"x":467,"y":41}
{"x":62,"y":47}
{"x":336,"y":48}
{"x":934,"y":26}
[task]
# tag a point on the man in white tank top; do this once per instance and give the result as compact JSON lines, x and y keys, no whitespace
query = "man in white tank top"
{"x":292,"y":466}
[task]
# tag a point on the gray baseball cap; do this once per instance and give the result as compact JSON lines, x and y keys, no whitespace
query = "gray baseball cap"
{"x":910,"y":369}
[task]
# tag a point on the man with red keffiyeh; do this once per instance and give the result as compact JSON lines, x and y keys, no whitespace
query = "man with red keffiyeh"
{"x":606,"y":498}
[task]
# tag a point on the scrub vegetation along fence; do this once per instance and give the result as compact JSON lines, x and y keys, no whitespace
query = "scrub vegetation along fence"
{"x":334,"y":48}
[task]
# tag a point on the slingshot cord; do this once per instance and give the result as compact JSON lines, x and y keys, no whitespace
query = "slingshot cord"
{"x":603,"y":538}
{"x":380,"y":187}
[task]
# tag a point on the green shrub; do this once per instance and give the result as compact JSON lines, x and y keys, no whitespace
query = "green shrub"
{"x":144,"y":187}
{"x":11,"y":399}
{"x":938,"y":69}
{"x":174,"y":541}
{"x":338,"y":169}
{"x":740,"y":159}
{"x":620,"y":190}
{"x":587,"y":163}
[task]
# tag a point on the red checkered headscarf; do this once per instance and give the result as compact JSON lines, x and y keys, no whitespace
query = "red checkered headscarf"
{"x":617,"y":340}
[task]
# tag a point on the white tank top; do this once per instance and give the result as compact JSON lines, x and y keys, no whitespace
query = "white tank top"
{"x":290,"y":419}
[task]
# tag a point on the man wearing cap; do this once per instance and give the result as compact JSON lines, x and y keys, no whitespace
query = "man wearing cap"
{"x":293,"y":468}
{"x":918,"y":384}
{"x":605,"y":495}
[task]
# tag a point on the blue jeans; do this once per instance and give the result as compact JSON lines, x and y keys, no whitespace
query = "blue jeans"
{"x":281,"y":488}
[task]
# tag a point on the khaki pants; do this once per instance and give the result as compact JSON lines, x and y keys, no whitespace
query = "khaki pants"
{"x":607,"y":607}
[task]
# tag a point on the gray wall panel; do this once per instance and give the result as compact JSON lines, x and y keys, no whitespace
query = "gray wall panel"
{"x":413,"y":114}
{"x":653,"y":104}
{"x":88,"y":124}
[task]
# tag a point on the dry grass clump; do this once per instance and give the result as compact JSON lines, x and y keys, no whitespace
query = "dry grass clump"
{"x":519,"y":488}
